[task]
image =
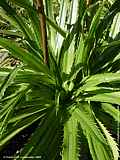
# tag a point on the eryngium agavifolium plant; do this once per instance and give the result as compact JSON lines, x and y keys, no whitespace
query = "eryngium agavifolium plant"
{"x":74,"y":96}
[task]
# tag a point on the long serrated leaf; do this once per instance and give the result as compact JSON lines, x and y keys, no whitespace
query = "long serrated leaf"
{"x":21,"y":125}
{"x":65,"y":46}
{"x":37,"y":140}
{"x":101,"y":78}
{"x":97,"y":143}
{"x":10,"y":14}
{"x":97,"y":149}
{"x":107,"y":20}
{"x":7,"y":82}
{"x":113,"y":98}
{"x":62,"y":19}
{"x":115,"y":27}
{"x":25,"y":56}
{"x":70,"y":141}
{"x":27,"y":113}
{"x":88,"y":43}
{"x":112,"y":143}
{"x":35,"y":25}
{"x":108,"y":55}
{"x":95,"y":22}
{"x":34,"y":77}
{"x":56,"y":27}
{"x":111,"y":110}
{"x":8,"y":113}
{"x":82,"y":117}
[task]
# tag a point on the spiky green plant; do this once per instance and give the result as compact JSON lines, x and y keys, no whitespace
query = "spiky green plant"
{"x":75,"y":96}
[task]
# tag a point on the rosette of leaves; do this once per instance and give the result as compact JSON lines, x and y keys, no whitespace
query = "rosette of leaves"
{"x":75,"y":97}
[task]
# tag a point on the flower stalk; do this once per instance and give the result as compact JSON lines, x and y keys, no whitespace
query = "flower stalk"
{"x":43,"y":29}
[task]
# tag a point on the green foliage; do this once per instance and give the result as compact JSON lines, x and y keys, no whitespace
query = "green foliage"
{"x":66,"y":96}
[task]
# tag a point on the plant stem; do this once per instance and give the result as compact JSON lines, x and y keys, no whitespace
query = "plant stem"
{"x":42,"y":18}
